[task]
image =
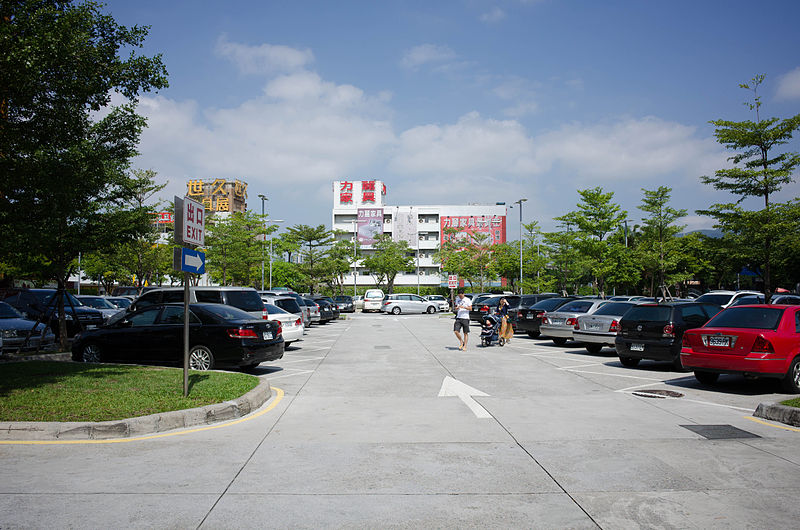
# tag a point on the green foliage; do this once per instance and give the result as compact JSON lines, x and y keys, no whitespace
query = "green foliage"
{"x":389,"y":259}
{"x":234,"y":250}
{"x":659,"y":247}
{"x":313,"y":243}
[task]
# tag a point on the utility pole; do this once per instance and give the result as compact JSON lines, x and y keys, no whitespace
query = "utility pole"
{"x":355,"y":256}
{"x":264,"y":226}
{"x":520,"y":242}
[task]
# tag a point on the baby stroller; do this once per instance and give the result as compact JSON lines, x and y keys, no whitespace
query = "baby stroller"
{"x":490,"y":330}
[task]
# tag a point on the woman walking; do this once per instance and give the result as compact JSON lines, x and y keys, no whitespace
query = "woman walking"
{"x":506,"y":329}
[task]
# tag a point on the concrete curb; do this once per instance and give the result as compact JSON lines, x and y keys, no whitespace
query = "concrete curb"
{"x":778,"y":412}
{"x":142,"y":425}
{"x":62,"y":356}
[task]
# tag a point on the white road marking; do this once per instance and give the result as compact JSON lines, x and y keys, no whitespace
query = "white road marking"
{"x":301,"y":360}
{"x":299,"y":372}
{"x":579,"y":366}
{"x":616,"y":375}
{"x":455,"y":388}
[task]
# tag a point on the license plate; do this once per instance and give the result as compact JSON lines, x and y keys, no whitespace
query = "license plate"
{"x":267,"y":335}
{"x":594,"y":327}
{"x":91,"y":326}
{"x":720,"y":342}
{"x":558,"y":321}
{"x":637,"y":347}
{"x":529,"y":316}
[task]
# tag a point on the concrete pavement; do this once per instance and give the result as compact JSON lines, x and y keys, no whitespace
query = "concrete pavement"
{"x":361,"y":439}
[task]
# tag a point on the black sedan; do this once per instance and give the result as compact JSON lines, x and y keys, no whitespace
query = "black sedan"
{"x":327,"y":310}
{"x":14,"y":329}
{"x":220,"y":335}
{"x":345,"y":303}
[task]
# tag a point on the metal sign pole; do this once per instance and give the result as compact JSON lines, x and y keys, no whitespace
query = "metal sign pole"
{"x":185,"y":334}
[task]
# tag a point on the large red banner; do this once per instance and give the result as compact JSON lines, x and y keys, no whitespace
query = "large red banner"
{"x":467,"y":225}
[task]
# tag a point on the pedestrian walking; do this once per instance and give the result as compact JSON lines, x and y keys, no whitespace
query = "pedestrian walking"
{"x":506,"y":329}
{"x":463,"y":307}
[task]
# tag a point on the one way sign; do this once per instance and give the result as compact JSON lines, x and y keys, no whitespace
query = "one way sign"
{"x":188,"y":260}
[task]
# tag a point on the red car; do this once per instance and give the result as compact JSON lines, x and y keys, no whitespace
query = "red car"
{"x":752,"y":340}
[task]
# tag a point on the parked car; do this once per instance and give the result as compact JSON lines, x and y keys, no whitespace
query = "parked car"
{"x":283,"y":292}
{"x":345,"y":303}
{"x":487,"y":305}
{"x":724,"y":298}
{"x":220,"y":335}
{"x":287,"y":303}
{"x":654,"y":331}
{"x":358,"y":302}
{"x":101,"y":304}
{"x":130,"y":291}
{"x":529,"y":319}
{"x":407,"y":303}
{"x":291,"y":323}
{"x":442,"y":304}
{"x":600,"y":328}
{"x":120,"y":302}
{"x":244,"y":298}
{"x":325,"y":311}
{"x":40,"y":304}
{"x":754,"y":341}
{"x":559,"y":324}
{"x":748,"y":300}
{"x":318,"y":298}
{"x":373,"y":300}
{"x":14,"y":329}
{"x":313,"y":310}
{"x":785,"y":299}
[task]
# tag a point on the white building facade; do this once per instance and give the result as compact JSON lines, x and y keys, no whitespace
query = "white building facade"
{"x":361,"y":211}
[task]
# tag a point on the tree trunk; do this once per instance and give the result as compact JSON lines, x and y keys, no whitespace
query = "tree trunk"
{"x":62,"y":321}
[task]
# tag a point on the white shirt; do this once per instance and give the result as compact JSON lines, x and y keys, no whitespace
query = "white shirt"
{"x":463,"y":306}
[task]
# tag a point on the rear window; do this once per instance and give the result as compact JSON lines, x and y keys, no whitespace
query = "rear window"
{"x":549,"y":304}
{"x":227,"y":312}
{"x":208,"y":297}
{"x":288,"y":305}
{"x":649,"y":313}
{"x":748,"y":318}
{"x":615,"y":309}
{"x":576,"y":307}
{"x":244,"y":300}
{"x":717,"y":299}
{"x":274,"y":310}
{"x":373,"y":294}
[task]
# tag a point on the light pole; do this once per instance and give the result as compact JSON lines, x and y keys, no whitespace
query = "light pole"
{"x":264,"y":226}
{"x":270,"y":252}
{"x":355,"y":256}
{"x":626,"y":231}
{"x":520,"y":242}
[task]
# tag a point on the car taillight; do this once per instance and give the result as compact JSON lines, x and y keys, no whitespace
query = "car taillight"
{"x":264,"y":314}
{"x":242,"y":333}
{"x":280,"y":328}
{"x":544,"y":320}
{"x":485,"y":309}
{"x":614,"y":326}
{"x":297,"y":322}
{"x":387,"y":303}
{"x":572,"y":322}
{"x":685,"y":341}
{"x":669,"y":331}
{"x":762,"y":345}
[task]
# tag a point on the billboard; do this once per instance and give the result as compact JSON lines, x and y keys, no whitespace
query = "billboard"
{"x":370,"y":225}
{"x":405,"y":226}
{"x":494,"y":226}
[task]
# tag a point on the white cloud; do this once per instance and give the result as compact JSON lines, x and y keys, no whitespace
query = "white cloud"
{"x":264,"y":58}
{"x":521,"y":93}
{"x":789,"y":85}
{"x":425,"y":54}
{"x":495,"y":15}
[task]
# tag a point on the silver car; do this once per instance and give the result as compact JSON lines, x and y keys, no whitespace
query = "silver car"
{"x":600,"y":328}
{"x":407,"y":303}
{"x":101,"y":304}
{"x":559,"y":324}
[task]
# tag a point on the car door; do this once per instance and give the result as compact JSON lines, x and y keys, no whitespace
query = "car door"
{"x":420,"y":304}
{"x":167,"y":335}
{"x":130,"y":339}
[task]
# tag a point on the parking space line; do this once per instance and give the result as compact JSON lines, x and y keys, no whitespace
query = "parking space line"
{"x":579,"y":366}
{"x":298,"y":372}
{"x":302,"y":360}
{"x":617,"y":375}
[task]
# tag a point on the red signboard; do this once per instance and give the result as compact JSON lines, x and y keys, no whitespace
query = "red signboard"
{"x":467,"y":225}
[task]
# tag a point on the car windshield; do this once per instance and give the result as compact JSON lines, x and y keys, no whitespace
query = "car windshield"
{"x":123,"y":303}
{"x":227,"y":312}
{"x":578,"y":306}
{"x":717,"y":299}
{"x":245,"y":300}
{"x":649,"y":313}
{"x":373,"y":294}
{"x":289,"y":305}
{"x":746,"y":300}
{"x":274,"y":310}
{"x":342,"y":298}
{"x":615,"y":309}
{"x":97,"y":303}
{"x":748,"y":318}
{"x":44,"y":298}
{"x":6,"y":311}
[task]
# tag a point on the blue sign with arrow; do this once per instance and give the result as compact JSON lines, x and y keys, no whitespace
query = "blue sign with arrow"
{"x":188,"y":260}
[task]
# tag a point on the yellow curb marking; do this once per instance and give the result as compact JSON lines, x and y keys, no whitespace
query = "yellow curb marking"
{"x":762,"y":422}
{"x":278,"y":397}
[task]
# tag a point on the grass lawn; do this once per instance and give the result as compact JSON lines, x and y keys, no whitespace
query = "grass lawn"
{"x":792,"y":402}
{"x":60,"y":391}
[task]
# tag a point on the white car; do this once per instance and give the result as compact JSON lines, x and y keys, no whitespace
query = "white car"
{"x":373,"y":300}
{"x":725,"y":298}
{"x":292,"y":324}
{"x":441,"y":302}
{"x":407,"y":303}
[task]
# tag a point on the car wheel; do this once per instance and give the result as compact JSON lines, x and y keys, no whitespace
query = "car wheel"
{"x":501,"y":342}
{"x":396,"y":310}
{"x":791,"y":383}
{"x":706,"y":378}
{"x":559,"y":341}
{"x":431,"y":310}
{"x":594,"y":348}
{"x":90,"y":353}
{"x":534,"y":334}
{"x":201,"y":358}
{"x":629,"y":362}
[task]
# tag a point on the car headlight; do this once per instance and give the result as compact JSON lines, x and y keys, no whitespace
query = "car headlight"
{"x":67,"y":316}
{"x":9,"y":333}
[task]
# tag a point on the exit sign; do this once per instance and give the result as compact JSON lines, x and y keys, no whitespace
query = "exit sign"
{"x":190,"y":222}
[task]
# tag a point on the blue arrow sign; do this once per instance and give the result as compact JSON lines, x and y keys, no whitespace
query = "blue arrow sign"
{"x":193,"y":261}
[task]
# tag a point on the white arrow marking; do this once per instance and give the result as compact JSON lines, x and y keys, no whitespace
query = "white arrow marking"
{"x":193,"y":261}
{"x":455,"y":388}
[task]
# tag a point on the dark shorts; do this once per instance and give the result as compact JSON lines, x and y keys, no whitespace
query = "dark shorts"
{"x":461,"y":324}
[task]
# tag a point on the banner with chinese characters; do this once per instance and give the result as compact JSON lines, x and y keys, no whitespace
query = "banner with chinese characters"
{"x":493,"y":226}
{"x":404,"y":226}
{"x":359,"y":193}
{"x":369,"y":225}
{"x":219,"y":195}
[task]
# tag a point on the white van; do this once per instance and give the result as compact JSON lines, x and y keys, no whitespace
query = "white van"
{"x":373,"y":300}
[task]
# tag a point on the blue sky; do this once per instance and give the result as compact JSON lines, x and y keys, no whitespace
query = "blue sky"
{"x":459,"y":101}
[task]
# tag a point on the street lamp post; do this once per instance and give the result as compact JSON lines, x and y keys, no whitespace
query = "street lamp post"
{"x":355,"y":256}
{"x":270,"y":251}
{"x":520,"y":242}
{"x":626,"y":231}
{"x":264,"y":226}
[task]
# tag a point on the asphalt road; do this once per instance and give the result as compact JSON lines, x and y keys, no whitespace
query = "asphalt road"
{"x":358,"y":436}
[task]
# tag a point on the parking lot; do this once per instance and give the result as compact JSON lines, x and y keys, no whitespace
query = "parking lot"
{"x":379,"y":420}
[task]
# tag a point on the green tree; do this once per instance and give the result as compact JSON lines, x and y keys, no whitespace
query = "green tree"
{"x":63,"y":162}
{"x":313,"y":242}
{"x":659,"y":245}
{"x":389,"y":259}
{"x":234,"y":250}
{"x":566,"y":265}
{"x":596,"y":217}
{"x":336,"y":264}
{"x":757,"y":173}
